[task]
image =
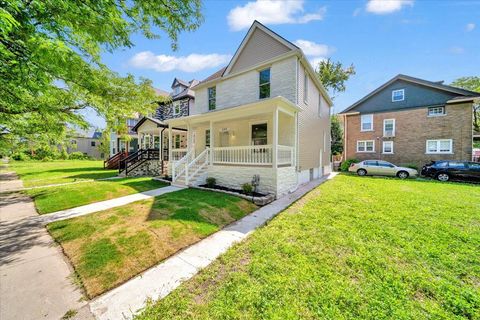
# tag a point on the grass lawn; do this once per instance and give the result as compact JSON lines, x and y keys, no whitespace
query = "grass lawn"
{"x":109,"y":247}
{"x":53,"y":199}
{"x":354,"y":248}
{"x":39,"y":173}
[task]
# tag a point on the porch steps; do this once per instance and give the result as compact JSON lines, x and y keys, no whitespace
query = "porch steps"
{"x":195,"y":180}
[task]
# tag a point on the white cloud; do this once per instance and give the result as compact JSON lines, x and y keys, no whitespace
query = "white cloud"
{"x":271,"y":12}
{"x":315,"y":61}
{"x":469,"y":27}
{"x":387,"y":6}
{"x":311,"y":48}
{"x":192,"y":63}
{"x":457,"y":50}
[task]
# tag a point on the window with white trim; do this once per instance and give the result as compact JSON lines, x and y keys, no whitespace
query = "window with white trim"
{"x":212,"y":98}
{"x":176,"y":108}
{"x":366,"y":122}
{"x":366,"y":146}
{"x":398,"y":95}
{"x":264,"y":84}
{"x":389,"y":127}
{"x":436,"y":111}
{"x":439,"y":146}
{"x":387,"y":147}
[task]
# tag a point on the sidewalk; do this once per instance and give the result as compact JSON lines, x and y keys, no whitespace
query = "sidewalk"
{"x":126,"y":300}
{"x":35,"y":279}
{"x":103,"y":205}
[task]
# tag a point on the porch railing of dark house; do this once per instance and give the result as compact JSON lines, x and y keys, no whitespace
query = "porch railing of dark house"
{"x":134,"y":160}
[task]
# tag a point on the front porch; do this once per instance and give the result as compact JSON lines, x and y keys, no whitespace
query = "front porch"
{"x":233,"y":145}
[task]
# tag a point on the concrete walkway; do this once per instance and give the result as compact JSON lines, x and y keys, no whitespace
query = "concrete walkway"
{"x":126,"y":300}
{"x":35,"y":278}
{"x":103,"y":205}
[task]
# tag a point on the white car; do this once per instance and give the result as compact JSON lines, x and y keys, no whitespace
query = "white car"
{"x":381,"y":168}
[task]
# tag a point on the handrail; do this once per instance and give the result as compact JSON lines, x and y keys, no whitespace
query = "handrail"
{"x":177,"y":163}
{"x":204,"y":154}
{"x":134,"y":158}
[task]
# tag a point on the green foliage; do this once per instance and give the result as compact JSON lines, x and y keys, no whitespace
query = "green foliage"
{"x":333,"y":75}
{"x":247,"y":188}
{"x":20,"y":156}
{"x":51,"y":68}
{"x":353,"y":248}
{"x":346,"y":164}
{"x":336,"y":135}
{"x":77,"y":155}
{"x":476,"y":144}
{"x":211,"y":182}
{"x":472,"y":84}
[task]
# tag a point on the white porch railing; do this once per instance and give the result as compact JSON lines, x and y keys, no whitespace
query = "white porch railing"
{"x":285,"y":155}
{"x":243,"y":155}
{"x":197,"y":164}
{"x":178,"y":154}
{"x":179,"y":167}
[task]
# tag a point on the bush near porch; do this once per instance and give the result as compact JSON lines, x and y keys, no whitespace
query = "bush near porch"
{"x":109,"y":247}
{"x":354,"y":248}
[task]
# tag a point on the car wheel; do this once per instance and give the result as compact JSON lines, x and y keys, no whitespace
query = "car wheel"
{"x":402,"y":174}
{"x":443,"y":177}
{"x":362,"y":172}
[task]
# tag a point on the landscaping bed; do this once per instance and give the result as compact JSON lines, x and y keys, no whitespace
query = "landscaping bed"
{"x":51,"y":199}
{"x":40,"y":173}
{"x":353,"y":248}
{"x":259,"y":199}
{"x":109,"y":247}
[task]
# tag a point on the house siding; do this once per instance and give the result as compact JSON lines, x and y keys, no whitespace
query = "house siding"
{"x":412,"y":128}
{"x":259,"y":48}
{"x":311,"y":126}
{"x":243,"y":88}
{"x":415,"y":96}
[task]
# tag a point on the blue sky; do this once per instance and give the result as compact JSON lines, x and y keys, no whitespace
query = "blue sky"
{"x":433,"y":40}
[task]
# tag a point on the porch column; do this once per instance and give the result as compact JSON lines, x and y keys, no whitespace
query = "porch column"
{"x":212,"y":143}
{"x":189,"y":149}
{"x":170,"y":144}
{"x":275,"y":138}
{"x":295,"y":143}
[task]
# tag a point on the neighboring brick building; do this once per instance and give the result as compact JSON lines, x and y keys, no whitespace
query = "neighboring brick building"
{"x":410,"y":121}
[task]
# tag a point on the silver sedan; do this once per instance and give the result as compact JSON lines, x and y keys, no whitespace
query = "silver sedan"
{"x":381,"y":168}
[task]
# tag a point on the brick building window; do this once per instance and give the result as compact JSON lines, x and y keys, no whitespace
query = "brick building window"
{"x":366,"y":146}
{"x":389,"y":127}
{"x":436,"y":111}
{"x":366,"y":122}
{"x":387,"y":147}
{"x":439,"y":146}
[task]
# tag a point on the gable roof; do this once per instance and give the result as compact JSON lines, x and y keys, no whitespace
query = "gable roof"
{"x":432,"y":84}
{"x":180,"y":81}
{"x":257,"y":25}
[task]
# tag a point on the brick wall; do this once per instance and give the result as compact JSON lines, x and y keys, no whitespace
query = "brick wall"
{"x":412,"y":128}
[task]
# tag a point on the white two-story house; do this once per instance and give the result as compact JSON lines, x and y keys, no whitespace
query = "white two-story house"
{"x":265,"y":114}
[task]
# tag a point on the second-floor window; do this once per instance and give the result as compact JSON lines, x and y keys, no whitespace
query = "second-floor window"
{"x":398,"y":95}
{"x":264,"y":84}
{"x":212,"y":98}
{"x":389,"y":127}
{"x":176,"y":108}
{"x":366,"y":122}
{"x":92,"y":143}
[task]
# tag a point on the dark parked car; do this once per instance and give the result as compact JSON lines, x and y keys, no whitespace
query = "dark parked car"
{"x":453,"y":170}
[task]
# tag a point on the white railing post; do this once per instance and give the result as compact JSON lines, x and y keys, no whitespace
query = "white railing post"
{"x":275,"y":138}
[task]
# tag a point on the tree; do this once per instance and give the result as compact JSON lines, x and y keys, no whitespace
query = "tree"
{"x":333,"y":75}
{"x":472,"y":84}
{"x":336,"y":135}
{"x":50,"y":60}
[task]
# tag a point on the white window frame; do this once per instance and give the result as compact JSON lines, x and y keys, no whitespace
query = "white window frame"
{"x":396,"y":91}
{"x":438,"y":141}
{"x":383,"y":147}
{"x":176,"y":104}
{"x":436,"y":114}
{"x":305,"y":86}
{"x":269,"y":83}
{"x":365,"y":146}
{"x":393,"y":130}
{"x":361,"y":122}
{"x":251,"y":124}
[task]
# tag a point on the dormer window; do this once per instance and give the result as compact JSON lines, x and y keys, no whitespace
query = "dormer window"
{"x":177,"y":90}
{"x":398,"y":95}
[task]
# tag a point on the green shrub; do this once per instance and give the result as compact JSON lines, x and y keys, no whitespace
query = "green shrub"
{"x":211,"y":182}
{"x":346,"y":164}
{"x":47,"y":159}
{"x":247,"y":188}
{"x":63,"y":155}
{"x":20,"y":156}
{"x":77,"y":155}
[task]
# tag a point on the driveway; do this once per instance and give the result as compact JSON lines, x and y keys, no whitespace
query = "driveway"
{"x":35,"y":278}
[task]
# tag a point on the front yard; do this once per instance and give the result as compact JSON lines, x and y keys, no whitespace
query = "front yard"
{"x":51,"y":199}
{"x":39,"y":173}
{"x":109,"y":247}
{"x":354,"y":248}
